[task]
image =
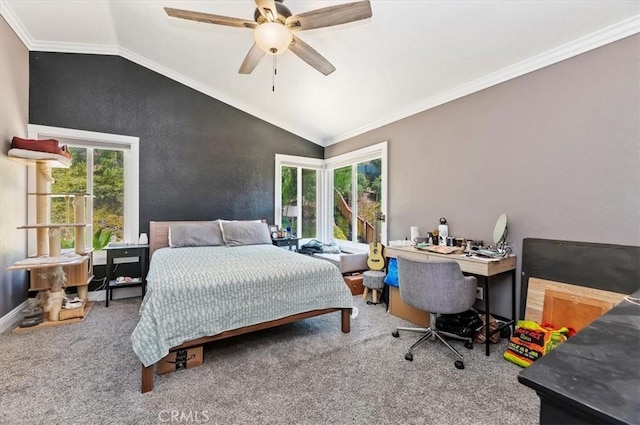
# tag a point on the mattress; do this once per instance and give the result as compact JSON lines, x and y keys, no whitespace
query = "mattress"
{"x":203,"y":291}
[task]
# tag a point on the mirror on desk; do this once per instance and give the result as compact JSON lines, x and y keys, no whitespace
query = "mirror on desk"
{"x":500,"y":231}
{"x":499,"y":240}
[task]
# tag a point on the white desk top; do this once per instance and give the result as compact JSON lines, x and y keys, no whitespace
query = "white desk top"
{"x":474,"y":265}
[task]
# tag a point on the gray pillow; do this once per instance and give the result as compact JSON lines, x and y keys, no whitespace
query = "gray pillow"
{"x":237,"y":233}
{"x":195,"y":234}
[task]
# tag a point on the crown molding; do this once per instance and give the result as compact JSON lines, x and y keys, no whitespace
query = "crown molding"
{"x":10,"y":16}
{"x":82,"y":48}
{"x":607,"y":35}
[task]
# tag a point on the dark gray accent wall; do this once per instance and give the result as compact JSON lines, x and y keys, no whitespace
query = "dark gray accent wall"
{"x":199,"y":158}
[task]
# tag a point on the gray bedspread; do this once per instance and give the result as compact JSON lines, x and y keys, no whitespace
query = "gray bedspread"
{"x":202,"y":291}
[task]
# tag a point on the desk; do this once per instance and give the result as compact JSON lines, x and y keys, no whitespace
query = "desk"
{"x":480,"y":267}
{"x":593,"y":378}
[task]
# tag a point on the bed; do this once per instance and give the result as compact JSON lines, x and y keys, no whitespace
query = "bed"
{"x":234,"y":284}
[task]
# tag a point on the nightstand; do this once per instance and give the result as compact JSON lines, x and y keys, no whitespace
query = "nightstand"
{"x":126,"y":261}
{"x":288,"y":243}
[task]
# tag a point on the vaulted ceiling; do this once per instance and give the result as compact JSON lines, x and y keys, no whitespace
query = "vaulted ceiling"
{"x":410,"y":56}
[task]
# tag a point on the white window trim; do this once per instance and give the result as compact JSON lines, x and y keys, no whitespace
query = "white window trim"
{"x":379,"y":150}
{"x":128,"y":144}
{"x":303,"y":162}
{"x":325,"y":207}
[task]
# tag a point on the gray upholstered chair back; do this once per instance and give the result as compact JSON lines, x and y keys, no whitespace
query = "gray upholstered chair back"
{"x":435,"y":286}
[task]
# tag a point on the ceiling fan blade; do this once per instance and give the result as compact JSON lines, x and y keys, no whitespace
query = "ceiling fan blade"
{"x":329,"y":16}
{"x":267,"y":9}
{"x":311,"y":56}
{"x":209,"y":18}
{"x":251,"y":60}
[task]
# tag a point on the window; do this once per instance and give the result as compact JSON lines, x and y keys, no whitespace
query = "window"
{"x":105,"y":166}
{"x":355,"y":196}
{"x":104,"y":180}
{"x":342,"y":203}
{"x":298,"y":189}
{"x":358,"y":183}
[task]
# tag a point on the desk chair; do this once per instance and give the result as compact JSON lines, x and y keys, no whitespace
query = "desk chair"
{"x":438,"y":287}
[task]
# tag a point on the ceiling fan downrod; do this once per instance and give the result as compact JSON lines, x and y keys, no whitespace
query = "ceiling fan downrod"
{"x":275,"y":71}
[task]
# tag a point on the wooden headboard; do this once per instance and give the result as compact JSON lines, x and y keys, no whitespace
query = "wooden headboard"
{"x":159,"y":233}
{"x":573,"y":278}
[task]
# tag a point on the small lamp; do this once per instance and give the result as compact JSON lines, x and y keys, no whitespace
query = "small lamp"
{"x":291,"y":212}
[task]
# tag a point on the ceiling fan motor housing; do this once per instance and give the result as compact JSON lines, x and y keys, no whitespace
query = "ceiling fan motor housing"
{"x":282,"y":11}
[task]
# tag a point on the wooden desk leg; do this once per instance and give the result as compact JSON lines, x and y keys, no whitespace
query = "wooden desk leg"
{"x":346,"y":320}
{"x":147,"y":379}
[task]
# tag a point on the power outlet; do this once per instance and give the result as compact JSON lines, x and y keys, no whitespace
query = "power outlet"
{"x":479,"y":293}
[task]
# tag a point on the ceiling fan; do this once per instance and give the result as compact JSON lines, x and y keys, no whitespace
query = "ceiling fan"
{"x":274,"y":29}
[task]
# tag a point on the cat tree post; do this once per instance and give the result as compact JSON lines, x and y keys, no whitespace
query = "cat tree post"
{"x":43,"y":206}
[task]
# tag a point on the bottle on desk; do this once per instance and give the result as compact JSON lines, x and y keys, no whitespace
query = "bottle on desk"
{"x":443,"y":232}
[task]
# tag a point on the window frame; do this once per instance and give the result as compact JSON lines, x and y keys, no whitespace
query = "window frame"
{"x":129,"y":145}
{"x":299,"y":162}
{"x":353,"y":158}
{"x":324,"y":181}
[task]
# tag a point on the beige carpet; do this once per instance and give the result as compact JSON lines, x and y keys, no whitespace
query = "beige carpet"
{"x":303,"y":373}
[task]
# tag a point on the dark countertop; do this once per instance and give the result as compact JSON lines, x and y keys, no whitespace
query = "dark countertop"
{"x":597,"y":371}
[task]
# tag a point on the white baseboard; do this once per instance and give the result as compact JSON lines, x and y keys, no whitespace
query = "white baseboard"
{"x":9,"y":319}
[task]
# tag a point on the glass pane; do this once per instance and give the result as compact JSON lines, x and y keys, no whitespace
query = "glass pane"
{"x":68,"y":180}
{"x":108,"y":192}
{"x":342,"y":203}
{"x":309,"y":220}
{"x":369,"y":176}
{"x":289,"y":197}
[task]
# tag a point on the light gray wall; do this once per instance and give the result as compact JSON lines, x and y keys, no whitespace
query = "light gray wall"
{"x":14,"y":109}
{"x":558,"y":150}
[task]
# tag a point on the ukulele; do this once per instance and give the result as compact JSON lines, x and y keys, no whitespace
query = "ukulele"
{"x":376,"y":258}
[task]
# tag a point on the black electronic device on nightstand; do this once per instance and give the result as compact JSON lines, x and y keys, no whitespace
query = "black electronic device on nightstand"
{"x":126,"y":268}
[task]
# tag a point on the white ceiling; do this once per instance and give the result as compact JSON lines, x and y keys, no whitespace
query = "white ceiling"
{"x":410,"y":56}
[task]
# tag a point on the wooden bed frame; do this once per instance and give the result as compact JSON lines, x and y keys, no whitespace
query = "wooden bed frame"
{"x":158,"y":238}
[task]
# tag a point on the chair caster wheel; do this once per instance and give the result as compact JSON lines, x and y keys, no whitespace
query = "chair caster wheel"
{"x":459,"y":364}
{"x":395,"y":334}
{"x":468,"y":345}
{"x":409,"y":357}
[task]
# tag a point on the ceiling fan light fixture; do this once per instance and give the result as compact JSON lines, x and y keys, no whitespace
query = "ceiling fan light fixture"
{"x":272,"y":37}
